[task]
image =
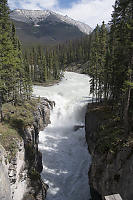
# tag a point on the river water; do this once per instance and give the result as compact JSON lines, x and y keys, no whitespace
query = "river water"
{"x":65,"y":155}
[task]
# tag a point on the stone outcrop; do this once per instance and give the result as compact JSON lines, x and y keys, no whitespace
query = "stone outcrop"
{"x":20,"y":177}
{"x":5,"y":189}
{"x":13,"y":174}
{"x":110,"y":172}
{"x":78,"y":68}
{"x":36,"y":188}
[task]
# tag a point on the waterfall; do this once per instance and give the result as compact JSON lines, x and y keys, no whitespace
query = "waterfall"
{"x":65,"y":155}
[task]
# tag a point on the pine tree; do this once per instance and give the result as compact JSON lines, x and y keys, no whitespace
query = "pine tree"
{"x":123,"y":59}
{"x":102,"y":61}
{"x":94,"y":63}
{"x":45,"y":71}
{"x":7,"y":63}
{"x":12,"y":70}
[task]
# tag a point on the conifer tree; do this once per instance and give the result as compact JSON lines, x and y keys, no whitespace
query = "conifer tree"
{"x":94,"y":63}
{"x":123,"y":59}
{"x":12,"y":70}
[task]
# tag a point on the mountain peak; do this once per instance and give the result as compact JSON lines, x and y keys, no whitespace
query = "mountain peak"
{"x":36,"y":16}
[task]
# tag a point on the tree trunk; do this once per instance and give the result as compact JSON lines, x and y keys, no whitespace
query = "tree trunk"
{"x":1,"y":116}
{"x":126,"y":125}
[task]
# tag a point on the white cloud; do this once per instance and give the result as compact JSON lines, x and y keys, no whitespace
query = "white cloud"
{"x":33,"y":4}
{"x":92,"y":12}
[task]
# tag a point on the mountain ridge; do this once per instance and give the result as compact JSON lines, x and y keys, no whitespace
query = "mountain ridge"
{"x":45,"y":27}
{"x":36,"y":16}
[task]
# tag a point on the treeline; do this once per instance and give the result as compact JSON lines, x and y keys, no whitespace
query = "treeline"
{"x":42,"y":66}
{"x":45,"y":64}
{"x":111,"y":61}
{"x":74,"y":51}
{"x":14,"y":81}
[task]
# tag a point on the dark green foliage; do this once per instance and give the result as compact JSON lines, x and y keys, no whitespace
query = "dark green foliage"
{"x":122,"y":22}
{"x":44,"y":64}
{"x":41,"y":66}
{"x":97,"y":63}
{"x":21,"y":115}
{"x":14,"y":83}
{"x":111,"y":61}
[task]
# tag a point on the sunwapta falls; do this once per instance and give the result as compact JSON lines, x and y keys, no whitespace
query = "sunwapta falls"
{"x":66,"y":100}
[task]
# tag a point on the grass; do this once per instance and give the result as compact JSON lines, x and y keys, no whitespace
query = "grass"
{"x":111,"y":135}
{"x":15,"y":118}
{"x":47,"y":83}
{"x":21,"y":115}
{"x":9,"y":138}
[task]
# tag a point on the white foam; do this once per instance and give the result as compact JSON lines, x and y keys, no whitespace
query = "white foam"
{"x":65,"y":155}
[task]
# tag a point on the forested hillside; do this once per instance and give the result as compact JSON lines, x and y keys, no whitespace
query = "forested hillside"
{"x":48,"y":63}
{"x":111,"y":62}
{"x":15,"y":83}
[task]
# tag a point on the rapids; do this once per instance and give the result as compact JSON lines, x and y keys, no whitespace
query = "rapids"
{"x":65,"y":155}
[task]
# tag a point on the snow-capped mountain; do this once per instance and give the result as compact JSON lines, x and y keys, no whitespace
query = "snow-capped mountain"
{"x":44,"y":27}
{"x":36,"y":16}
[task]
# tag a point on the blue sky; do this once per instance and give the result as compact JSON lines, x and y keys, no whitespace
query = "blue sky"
{"x":67,"y":3}
{"x":91,"y":12}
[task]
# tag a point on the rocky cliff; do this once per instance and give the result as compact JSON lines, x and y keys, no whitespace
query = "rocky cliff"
{"x":78,"y":67}
{"x":111,"y":169}
{"x":20,"y":171}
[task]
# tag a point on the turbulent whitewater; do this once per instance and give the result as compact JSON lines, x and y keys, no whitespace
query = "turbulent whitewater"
{"x":65,"y":156}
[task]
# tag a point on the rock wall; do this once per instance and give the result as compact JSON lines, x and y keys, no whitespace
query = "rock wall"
{"x":110,"y":172}
{"x":20,"y":178}
{"x":5,"y":189}
{"x":13,"y":174}
{"x":78,"y":68}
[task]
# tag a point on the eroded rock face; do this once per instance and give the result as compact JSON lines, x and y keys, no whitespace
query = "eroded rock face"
{"x":5,"y":193}
{"x":13,"y":175}
{"x":36,"y":188}
{"x":110,"y":173}
{"x":20,"y":179}
{"x":5,"y":190}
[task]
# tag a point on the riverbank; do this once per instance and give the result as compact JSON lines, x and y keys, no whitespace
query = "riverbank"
{"x":81,"y":68}
{"x":48,"y":83}
{"x":111,"y":169}
{"x":20,"y":160}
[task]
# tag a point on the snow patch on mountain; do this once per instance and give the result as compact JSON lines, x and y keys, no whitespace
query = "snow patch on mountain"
{"x":36,"y":16}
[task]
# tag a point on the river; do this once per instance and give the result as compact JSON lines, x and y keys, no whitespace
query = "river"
{"x":64,"y":150}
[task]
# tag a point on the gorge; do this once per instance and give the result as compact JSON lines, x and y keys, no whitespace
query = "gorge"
{"x":49,"y":122}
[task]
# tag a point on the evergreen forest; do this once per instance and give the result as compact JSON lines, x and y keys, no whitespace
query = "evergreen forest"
{"x":47,"y":63}
{"x":111,"y":62}
{"x":15,"y":83}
